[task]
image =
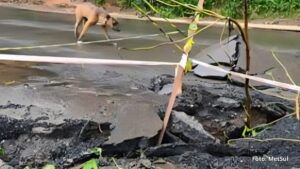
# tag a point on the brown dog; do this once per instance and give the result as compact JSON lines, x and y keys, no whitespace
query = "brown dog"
{"x":88,"y":14}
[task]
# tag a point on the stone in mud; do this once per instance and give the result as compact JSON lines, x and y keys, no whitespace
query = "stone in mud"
{"x":157,"y":83}
{"x":227,"y":103}
{"x":167,"y":89}
{"x":189,"y":129}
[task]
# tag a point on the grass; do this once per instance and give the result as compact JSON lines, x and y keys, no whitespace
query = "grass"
{"x":232,"y":8}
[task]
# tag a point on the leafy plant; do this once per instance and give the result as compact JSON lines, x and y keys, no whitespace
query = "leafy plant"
{"x":91,"y":164}
{"x":232,"y":8}
{"x":97,"y":151}
{"x":49,"y":166}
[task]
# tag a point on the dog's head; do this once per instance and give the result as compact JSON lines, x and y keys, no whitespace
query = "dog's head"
{"x":112,"y":23}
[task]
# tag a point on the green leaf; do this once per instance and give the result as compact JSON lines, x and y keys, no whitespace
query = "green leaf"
{"x":2,"y":151}
{"x":246,"y":129}
{"x":91,"y":164}
{"x":193,"y":26}
{"x":189,"y":65}
{"x":49,"y":166}
{"x":97,"y":151}
{"x":253,"y":132}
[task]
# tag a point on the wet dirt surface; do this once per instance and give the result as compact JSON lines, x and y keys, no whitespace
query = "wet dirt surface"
{"x":56,"y":113}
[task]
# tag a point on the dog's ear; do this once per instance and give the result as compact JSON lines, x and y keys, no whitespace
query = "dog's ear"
{"x":109,"y":21}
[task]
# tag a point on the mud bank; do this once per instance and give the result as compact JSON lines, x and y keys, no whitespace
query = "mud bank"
{"x":205,"y":119}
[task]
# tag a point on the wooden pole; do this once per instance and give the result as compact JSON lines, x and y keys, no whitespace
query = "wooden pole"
{"x":177,"y":85}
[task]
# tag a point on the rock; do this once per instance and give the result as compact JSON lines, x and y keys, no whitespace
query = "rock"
{"x":205,"y":72}
{"x":167,"y":89}
{"x":3,"y":165}
{"x":158,"y":82}
{"x":189,"y":129}
{"x":145,"y":163}
{"x":42,"y":130}
{"x":288,"y":128}
{"x":227,"y":102}
{"x":134,"y":122}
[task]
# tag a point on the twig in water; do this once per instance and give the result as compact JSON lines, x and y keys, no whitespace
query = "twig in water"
{"x":116,"y":164}
{"x":82,"y":129}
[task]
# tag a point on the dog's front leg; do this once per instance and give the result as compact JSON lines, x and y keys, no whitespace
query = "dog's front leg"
{"x":105,"y":32}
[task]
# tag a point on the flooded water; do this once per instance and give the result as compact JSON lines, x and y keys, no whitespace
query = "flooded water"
{"x":28,"y":28}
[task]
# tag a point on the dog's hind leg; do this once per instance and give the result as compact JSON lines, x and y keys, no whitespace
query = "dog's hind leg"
{"x":84,"y":30}
{"x":76,"y":32}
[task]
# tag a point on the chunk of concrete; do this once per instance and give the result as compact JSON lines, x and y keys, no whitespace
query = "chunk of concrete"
{"x":225,"y":53}
{"x":206,"y":72}
{"x":135,"y":121}
{"x":189,"y":129}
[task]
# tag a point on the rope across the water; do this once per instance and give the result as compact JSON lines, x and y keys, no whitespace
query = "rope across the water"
{"x":83,"y":43}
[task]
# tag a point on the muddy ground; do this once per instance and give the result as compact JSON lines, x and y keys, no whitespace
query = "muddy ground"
{"x":205,"y":119}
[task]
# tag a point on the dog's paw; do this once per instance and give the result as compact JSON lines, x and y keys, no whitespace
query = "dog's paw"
{"x":115,"y":44}
{"x":79,"y":42}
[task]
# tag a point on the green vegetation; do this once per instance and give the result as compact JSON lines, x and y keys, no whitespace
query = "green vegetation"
{"x":91,"y":164}
{"x":2,"y":152}
{"x":100,"y":2}
{"x":232,"y":8}
{"x":49,"y":166}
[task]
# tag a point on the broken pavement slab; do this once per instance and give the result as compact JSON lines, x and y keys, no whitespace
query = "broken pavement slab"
{"x":206,"y":72}
{"x":135,"y":121}
{"x":263,"y":64}
{"x":132,"y":112}
{"x":222,"y":54}
{"x":189,"y":129}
